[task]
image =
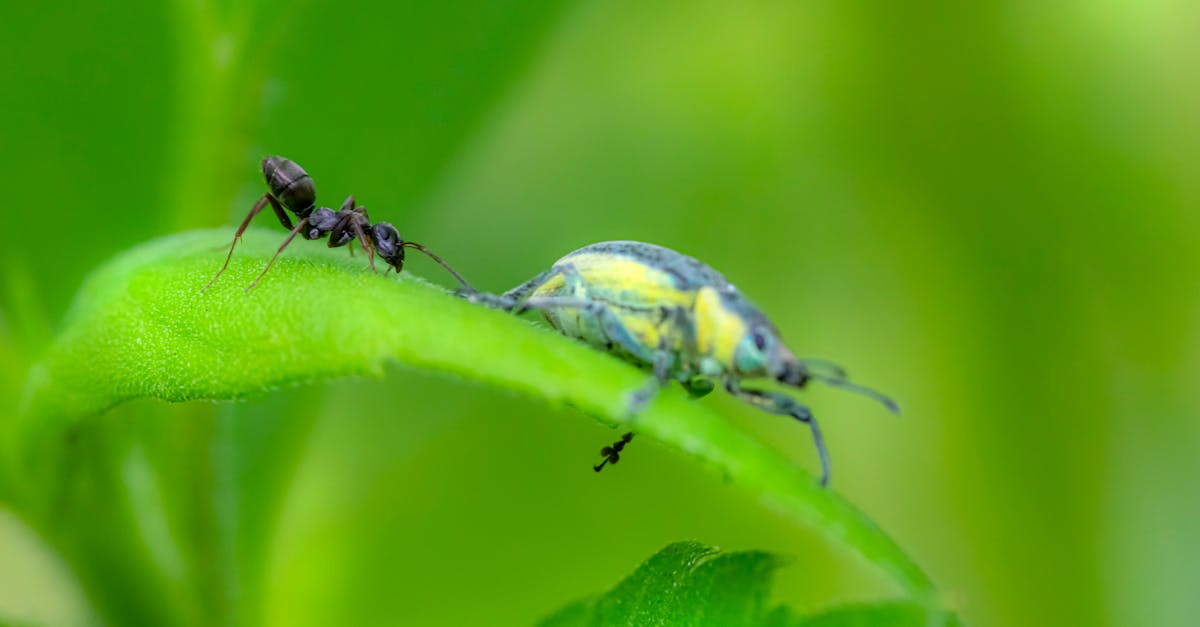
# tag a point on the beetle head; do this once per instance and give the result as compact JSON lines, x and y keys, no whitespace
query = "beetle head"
{"x":761,"y":353}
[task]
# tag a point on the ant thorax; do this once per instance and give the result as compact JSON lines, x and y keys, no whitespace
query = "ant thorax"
{"x":324,"y":221}
{"x":320,"y":222}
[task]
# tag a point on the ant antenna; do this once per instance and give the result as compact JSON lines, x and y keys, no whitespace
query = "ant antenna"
{"x":612,"y":454}
{"x":445,"y":265}
{"x":838,"y":382}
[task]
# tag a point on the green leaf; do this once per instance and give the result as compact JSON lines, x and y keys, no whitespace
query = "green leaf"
{"x":142,"y":326}
{"x":688,"y":583}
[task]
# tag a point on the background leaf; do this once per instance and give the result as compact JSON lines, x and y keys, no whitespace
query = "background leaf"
{"x":689,"y":583}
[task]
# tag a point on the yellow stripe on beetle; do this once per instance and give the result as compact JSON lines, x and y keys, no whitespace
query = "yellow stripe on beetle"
{"x":628,"y":280}
{"x":718,"y":330}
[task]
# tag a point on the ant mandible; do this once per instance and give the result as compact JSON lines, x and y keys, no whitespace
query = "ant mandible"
{"x":290,"y":188}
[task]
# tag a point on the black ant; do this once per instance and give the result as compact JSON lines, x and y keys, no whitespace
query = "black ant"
{"x":291,"y":189}
{"x":612,"y":454}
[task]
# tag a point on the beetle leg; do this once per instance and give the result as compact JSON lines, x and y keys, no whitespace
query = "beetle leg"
{"x":698,"y":387}
{"x":663,"y":359}
{"x":522,"y":292}
{"x":660,"y":358}
{"x":681,"y":326}
{"x":572,"y":280}
{"x":784,"y":405}
{"x":513,"y":299}
{"x":495,"y":301}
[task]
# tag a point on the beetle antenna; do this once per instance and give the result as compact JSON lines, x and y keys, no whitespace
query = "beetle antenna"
{"x":836,"y":371}
{"x":445,"y":265}
{"x":838,"y":382}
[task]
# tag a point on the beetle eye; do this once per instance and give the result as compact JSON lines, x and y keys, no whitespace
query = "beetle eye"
{"x":760,"y":340}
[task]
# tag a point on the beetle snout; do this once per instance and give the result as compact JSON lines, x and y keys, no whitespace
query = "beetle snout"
{"x":791,"y":372}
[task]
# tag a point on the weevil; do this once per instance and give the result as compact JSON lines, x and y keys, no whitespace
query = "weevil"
{"x":679,"y":318}
{"x":290,"y":188}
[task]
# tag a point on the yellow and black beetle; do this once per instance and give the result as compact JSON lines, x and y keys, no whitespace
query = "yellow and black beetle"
{"x":677,"y":316}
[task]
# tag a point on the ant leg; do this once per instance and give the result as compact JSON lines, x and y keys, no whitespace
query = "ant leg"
{"x":783,"y":405}
{"x":299,"y":227}
{"x":357,"y":209}
{"x":258,"y":206}
{"x":280,"y":212}
{"x":339,"y":231}
{"x":362,"y":239}
{"x":348,"y":206}
{"x":353,"y":222}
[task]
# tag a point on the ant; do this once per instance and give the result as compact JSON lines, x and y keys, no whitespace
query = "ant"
{"x":291,"y":189}
{"x":612,"y":454}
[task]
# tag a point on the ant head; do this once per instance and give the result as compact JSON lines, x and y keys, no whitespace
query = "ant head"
{"x":390,"y":247}
{"x":388,"y":244}
{"x":290,"y":184}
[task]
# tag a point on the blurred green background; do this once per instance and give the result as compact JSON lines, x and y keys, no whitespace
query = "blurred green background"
{"x":990,"y":210}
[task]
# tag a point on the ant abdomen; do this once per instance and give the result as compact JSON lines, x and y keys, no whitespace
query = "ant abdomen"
{"x":290,"y":184}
